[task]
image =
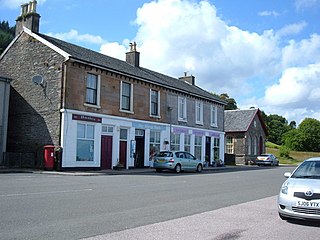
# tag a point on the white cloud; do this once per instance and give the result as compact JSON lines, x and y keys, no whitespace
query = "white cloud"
{"x":73,"y":35}
{"x":115,"y":49}
{"x":268,"y":13}
{"x":303,"y":4}
{"x":177,"y":36}
{"x":291,"y":29}
{"x":16,"y":3}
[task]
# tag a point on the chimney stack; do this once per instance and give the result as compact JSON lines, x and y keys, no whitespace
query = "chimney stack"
{"x":189,"y":79}
{"x":133,"y":57}
{"x":29,"y":18}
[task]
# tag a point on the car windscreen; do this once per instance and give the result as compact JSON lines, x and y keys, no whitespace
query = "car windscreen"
{"x":308,"y":169}
{"x":164,"y":154}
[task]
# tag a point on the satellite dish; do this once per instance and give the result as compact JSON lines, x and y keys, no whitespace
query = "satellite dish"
{"x":37,"y":80}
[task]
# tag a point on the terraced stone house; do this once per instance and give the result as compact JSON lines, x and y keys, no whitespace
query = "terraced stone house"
{"x":102,"y":111}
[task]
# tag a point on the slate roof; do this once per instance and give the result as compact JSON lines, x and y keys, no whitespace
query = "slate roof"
{"x":238,"y":120}
{"x":113,"y":64}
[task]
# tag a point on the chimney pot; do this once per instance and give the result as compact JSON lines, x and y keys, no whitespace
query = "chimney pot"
{"x":133,"y":57}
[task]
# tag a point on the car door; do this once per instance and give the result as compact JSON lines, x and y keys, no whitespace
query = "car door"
{"x":191,"y":160}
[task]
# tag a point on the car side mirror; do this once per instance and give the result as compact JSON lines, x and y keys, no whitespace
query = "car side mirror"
{"x":287,"y":174}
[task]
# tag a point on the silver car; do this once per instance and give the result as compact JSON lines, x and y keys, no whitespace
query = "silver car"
{"x":267,"y":159}
{"x":177,"y":161}
{"x":299,"y":195}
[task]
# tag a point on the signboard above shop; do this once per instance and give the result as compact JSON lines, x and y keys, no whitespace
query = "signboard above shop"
{"x":86,"y":118}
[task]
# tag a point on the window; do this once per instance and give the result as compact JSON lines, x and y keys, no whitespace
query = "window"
{"x":154,"y":103}
{"x":214,"y":116}
{"x":123,"y":134}
{"x":154,"y":142}
{"x":182,"y":109}
{"x":107,"y":130}
{"x":216,"y":149}
{"x":198,"y":147}
{"x":229,"y":145}
{"x":249,"y":145}
{"x":187,"y":142}
{"x":126,"y":96}
{"x":199,"y":113}
{"x":92,"y":89}
{"x":175,"y":142}
{"x":85,"y":142}
{"x":255,"y":145}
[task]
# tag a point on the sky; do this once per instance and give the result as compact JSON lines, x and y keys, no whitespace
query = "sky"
{"x":264,"y":54}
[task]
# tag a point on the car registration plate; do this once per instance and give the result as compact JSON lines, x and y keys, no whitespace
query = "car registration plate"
{"x":309,"y":204}
{"x":161,"y":160}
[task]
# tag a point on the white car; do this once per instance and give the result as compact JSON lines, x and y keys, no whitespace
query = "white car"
{"x":299,"y":195}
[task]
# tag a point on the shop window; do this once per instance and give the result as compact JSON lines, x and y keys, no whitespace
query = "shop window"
{"x":154,"y":142}
{"x":198,"y":147}
{"x":216,"y":149}
{"x":85,"y":142}
{"x":175,"y":142}
{"x":187,"y":142}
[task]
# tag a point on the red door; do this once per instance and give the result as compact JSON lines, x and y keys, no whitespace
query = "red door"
{"x":123,"y":153}
{"x":106,"y":152}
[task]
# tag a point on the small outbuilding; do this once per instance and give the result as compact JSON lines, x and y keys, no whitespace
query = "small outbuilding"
{"x":245,"y":134}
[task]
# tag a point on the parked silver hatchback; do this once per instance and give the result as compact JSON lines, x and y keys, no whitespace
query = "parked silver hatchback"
{"x":299,"y":195}
{"x":177,"y":161}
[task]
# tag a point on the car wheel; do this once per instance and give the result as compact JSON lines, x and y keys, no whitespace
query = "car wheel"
{"x":178,"y":168}
{"x":158,"y":170}
{"x":199,"y":168}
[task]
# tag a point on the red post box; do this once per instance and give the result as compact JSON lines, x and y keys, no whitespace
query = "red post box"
{"x":48,"y":157}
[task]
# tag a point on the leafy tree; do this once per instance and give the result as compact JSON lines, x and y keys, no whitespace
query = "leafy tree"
{"x":305,"y":138}
{"x":277,"y":126}
{"x":309,"y":130}
{"x":6,"y":35}
{"x":231,"y":102}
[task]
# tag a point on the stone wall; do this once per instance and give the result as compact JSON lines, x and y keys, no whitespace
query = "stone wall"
{"x":34,"y":112}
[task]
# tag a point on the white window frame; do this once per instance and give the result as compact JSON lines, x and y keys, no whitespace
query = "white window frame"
{"x":86,"y":138}
{"x":131,"y":97}
{"x":230,"y":145}
{"x":97,"y":105}
{"x":199,"y":112}
{"x":182,"y":109}
{"x":158,"y":107}
{"x":214,"y":116}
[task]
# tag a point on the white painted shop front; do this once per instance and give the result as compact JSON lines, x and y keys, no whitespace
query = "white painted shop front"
{"x":100,"y":141}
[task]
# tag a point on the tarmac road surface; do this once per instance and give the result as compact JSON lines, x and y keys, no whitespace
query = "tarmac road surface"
{"x":251,"y":220}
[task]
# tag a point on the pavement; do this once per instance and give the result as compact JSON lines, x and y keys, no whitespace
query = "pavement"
{"x":4,"y":170}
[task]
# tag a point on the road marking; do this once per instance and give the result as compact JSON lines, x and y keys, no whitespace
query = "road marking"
{"x":43,"y":193}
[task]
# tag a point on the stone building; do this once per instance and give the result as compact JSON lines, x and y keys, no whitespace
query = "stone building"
{"x":4,"y":106}
{"x":245,"y":134}
{"x":102,"y":111}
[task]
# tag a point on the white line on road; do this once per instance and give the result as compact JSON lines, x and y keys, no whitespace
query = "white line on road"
{"x":43,"y":193}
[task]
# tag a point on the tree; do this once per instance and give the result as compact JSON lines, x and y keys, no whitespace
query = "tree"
{"x":277,"y":126}
{"x":231,"y":103}
{"x":6,"y":35}
{"x":309,"y":130}
{"x":305,"y":138}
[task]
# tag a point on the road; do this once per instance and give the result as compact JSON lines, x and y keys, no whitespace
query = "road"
{"x":40,"y":206}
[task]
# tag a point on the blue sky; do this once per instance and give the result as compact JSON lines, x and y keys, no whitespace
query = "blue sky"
{"x":263,"y":53}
